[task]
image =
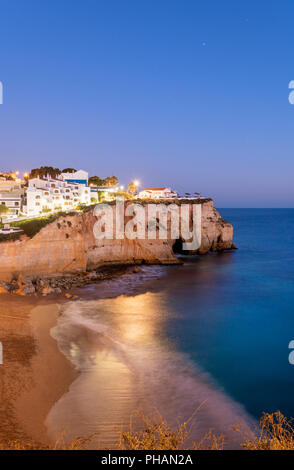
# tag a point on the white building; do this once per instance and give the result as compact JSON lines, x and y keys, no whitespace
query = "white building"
{"x":8,"y":185}
{"x":157,"y":193}
{"x":55,"y":194}
{"x":13,"y":200}
{"x":79,"y":176}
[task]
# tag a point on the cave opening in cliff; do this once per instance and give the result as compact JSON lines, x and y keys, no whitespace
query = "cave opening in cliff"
{"x":178,"y":247}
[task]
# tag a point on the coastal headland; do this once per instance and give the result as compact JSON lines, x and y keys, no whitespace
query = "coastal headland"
{"x":62,"y":255}
{"x":67,"y":248}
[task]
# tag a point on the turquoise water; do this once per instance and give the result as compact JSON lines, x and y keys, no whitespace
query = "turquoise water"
{"x":211,"y":333}
{"x":237,"y":311}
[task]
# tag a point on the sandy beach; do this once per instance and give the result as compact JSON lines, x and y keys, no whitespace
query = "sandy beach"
{"x":124,"y":360}
{"x":34,"y":374}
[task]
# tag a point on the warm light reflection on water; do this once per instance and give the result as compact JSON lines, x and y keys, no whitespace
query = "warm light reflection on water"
{"x":138,"y":318}
{"x":127,"y":362}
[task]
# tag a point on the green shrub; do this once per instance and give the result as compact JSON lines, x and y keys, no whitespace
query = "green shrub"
{"x":10,"y":236}
{"x":33,"y":226}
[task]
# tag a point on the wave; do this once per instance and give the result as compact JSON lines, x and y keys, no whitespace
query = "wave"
{"x":127,"y":363}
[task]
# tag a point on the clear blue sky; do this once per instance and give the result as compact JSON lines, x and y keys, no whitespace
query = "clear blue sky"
{"x":188,"y":94}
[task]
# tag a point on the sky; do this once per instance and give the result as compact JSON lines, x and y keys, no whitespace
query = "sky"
{"x":181,"y":93}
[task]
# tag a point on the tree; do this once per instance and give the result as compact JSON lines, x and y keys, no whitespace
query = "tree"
{"x":96,"y":181}
{"x":43,"y":171}
{"x":68,"y":170}
{"x":132,"y":187}
{"x":7,"y":177}
{"x":3,"y":210}
{"x":121,"y":193}
{"x":111,"y":181}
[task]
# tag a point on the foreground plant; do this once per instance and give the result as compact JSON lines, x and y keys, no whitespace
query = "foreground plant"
{"x":157,"y":434}
{"x":275,"y":432}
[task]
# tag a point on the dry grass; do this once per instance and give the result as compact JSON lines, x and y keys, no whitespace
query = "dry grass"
{"x":157,"y":434}
{"x":60,"y":444}
{"x":275,"y":432}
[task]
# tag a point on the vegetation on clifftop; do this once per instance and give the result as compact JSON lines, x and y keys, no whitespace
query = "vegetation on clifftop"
{"x":31,"y":227}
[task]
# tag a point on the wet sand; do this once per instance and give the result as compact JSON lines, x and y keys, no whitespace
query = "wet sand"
{"x":124,"y":357}
{"x":34,"y":374}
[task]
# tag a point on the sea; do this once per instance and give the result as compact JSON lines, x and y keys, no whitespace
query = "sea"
{"x":206,"y":342}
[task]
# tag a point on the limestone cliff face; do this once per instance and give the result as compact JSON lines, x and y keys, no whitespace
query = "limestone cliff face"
{"x":68,"y":246}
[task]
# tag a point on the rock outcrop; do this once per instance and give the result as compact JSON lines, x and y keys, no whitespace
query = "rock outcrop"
{"x":67,"y":246}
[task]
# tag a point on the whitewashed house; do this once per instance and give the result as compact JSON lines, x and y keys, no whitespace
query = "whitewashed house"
{"x":157,"y":193}
{"x":8,"y":185}
{"x":55,"y":194}
{"x":13,"y":200}
{"x":80,"y":177}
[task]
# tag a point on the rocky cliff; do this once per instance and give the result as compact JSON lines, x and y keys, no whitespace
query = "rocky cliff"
{"x":68,"y":246}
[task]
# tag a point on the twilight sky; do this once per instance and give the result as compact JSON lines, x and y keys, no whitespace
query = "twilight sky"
{"x":181,"y":93}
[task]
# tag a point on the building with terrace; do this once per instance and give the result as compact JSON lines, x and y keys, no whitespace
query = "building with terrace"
{"x":56,"y":194}
{"x":13,"y":200}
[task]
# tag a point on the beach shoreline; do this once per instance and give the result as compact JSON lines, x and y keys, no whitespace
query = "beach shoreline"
{"x":34,"y":373}
{"x":40,"y":388}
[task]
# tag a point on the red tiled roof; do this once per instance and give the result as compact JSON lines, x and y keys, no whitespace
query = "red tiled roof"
{"x":154,"y":189}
